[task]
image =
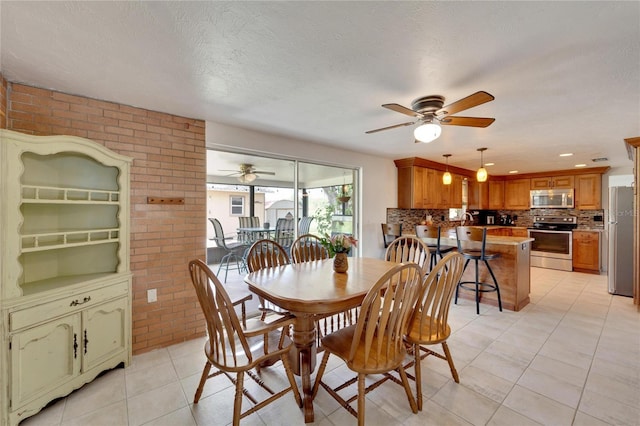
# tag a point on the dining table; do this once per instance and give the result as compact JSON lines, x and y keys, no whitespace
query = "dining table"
{"x":310,"y":291}
{"x":255,"y":233}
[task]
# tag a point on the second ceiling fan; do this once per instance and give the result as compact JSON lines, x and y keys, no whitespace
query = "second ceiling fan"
{"x":431,"y":113}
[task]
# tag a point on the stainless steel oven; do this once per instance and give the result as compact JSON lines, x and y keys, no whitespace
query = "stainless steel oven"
{"x":553,"y":242}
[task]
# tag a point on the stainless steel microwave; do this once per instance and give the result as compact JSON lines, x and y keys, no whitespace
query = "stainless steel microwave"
{"x":552,"y":199}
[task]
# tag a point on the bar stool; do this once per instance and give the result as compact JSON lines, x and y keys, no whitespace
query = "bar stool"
{"x":468,"y":233}
{"x":437,"y":250}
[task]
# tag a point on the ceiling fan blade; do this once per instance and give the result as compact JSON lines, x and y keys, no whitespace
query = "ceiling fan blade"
{"x":391,"y":127}
{"x":262,"y":172}
{"x":402,"y":110}
{"x":470,"y":101}
{"x":467,"y":121}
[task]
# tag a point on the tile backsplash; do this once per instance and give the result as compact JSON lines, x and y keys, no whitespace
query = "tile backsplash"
{"x":524,"y":218}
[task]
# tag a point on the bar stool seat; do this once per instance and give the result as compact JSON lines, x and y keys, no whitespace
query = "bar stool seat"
{"x":468,"y":233}
{"x":437,"y":250}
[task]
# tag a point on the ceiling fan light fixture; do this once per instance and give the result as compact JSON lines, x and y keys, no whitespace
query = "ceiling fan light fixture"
{"x":428,"y":132}
{"x":481,"y":174}
{"x":247,"y":177}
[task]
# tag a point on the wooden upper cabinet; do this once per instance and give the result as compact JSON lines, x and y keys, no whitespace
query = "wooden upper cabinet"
{"x":478,"y":193}
{"x":410,"y":187}
{"x":422,"y":188}
{"x":546,"y":182}
{"x":455,"y":200}
{"x":496,"y":195}
{"x":588,"y":191}
{"x":516,"y":194}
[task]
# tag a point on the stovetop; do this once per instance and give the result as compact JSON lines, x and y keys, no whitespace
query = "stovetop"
{"x":559,"y":223}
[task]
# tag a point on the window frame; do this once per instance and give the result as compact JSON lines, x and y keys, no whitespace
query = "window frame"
{"x":232,"y":205}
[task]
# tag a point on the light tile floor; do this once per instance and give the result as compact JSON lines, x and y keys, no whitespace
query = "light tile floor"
{"x":572,"y":356}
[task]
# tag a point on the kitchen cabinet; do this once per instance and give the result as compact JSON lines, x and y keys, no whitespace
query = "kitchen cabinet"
{"x":507,"y":231}
{"x":586,"y":251}
{"x":588,"y":192}
{"x":496,"y":195}
{"x":519,"y":232}
{"x":64,"y":269}
{"x":410,"y":187}
{"x":450,"y":195}
{"x":422,"y":188}
{"x":478,"y":193}
{"x":455,"y":200}
{"x":516,"y":194}
{"x":547,"y":182}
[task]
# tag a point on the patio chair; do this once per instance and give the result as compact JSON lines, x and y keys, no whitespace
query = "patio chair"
{"x":285,"y":232}
{"x":233,"y":350}
{"x":304,"y":225}
{"x":247,"y":222}
{"x":233,"y":252}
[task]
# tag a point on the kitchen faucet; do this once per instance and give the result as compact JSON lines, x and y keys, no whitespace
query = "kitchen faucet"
{"x":464,"y":218}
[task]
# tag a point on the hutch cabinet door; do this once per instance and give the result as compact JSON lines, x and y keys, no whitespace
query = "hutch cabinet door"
{"x":44,"y":357}
{"x":104,"y":334}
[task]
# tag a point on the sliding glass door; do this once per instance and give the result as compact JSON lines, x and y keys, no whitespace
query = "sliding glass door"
{"x":321,"y":198}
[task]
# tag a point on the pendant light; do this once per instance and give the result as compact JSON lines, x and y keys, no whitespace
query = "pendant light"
{"x":446,"y":177}
{"x":482,"y":175}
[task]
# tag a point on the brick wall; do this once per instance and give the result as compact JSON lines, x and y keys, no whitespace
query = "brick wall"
{"x":170,"y":161}
{"x":3,"y":102}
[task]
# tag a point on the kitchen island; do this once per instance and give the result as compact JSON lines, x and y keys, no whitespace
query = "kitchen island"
{"x":512,"y":269}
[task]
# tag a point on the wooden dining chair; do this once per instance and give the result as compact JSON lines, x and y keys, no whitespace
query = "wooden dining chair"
{"x":390,"y":231}
{"x":437,"y":250}
{"x":375,"y":345}
{"x":308,"y":247}
{"x":409,"y":249}
{"x":234,"y":350}
{"x":262,"y":254}
{"x":428,"y":323}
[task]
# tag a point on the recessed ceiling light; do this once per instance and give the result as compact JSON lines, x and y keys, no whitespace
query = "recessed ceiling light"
{"x":566,"y":154}
{"x":513,"y":171}
{"x":489,"y":164}
{"x":581,"y":165}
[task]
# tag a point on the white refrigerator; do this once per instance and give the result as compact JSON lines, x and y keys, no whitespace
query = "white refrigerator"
{"x":620,"y":230}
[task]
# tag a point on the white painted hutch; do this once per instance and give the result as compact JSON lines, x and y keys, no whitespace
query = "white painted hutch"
{"x":65,"y":289}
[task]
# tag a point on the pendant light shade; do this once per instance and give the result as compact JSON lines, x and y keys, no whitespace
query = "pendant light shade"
{"x":446,"y":177}
{"x":428,"y":132}
{"x":482,"y":174}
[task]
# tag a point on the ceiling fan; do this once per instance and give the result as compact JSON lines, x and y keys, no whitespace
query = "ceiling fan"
{"x":431,"y":114}
{"x":247,"y":173}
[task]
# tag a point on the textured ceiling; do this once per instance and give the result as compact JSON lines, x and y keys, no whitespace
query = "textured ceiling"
{"x":565,"y":75}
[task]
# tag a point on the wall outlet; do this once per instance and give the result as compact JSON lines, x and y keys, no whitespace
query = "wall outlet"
{"x":152,"y":295}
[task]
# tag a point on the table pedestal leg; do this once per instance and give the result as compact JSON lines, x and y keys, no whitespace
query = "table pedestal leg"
{"x":304,"y":338}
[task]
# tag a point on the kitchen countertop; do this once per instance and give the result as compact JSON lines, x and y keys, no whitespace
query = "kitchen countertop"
{"x":449,"y":238}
